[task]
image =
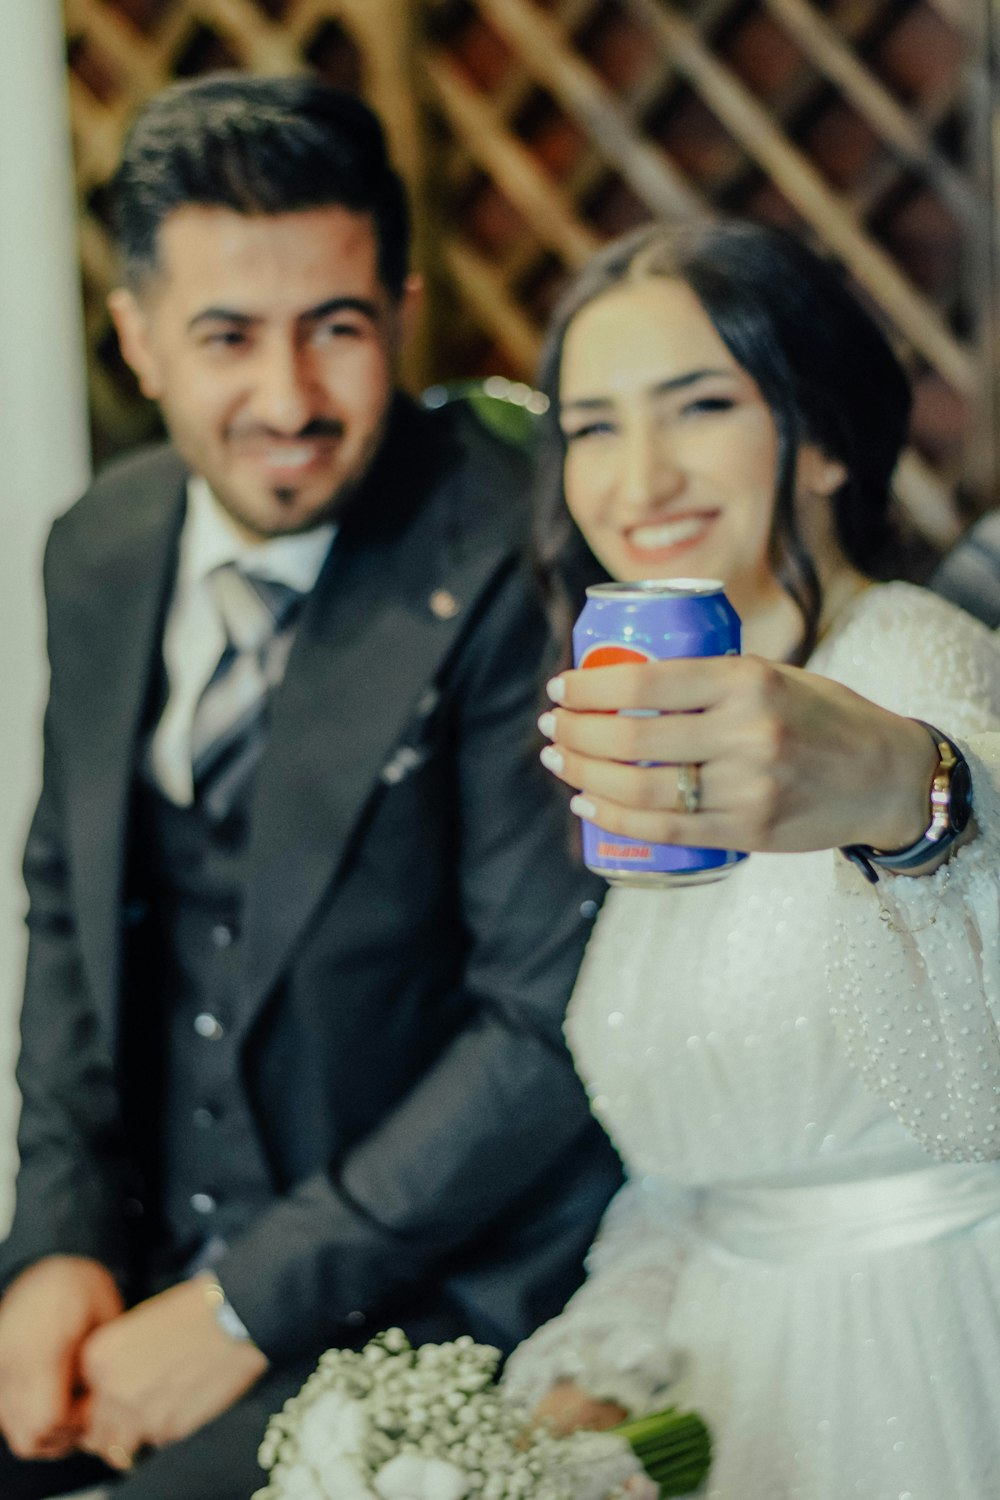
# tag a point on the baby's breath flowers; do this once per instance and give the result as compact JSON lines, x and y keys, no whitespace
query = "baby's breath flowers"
{"x":390,"y":1422}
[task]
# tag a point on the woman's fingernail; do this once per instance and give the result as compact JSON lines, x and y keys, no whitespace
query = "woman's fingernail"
{"x":547,"y":724}
{"x":551,"y":759}
{"x":556,"y":689}
{"x":581,"y":806}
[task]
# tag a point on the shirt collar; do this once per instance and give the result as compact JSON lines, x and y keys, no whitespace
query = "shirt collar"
{"x":208,"y":539}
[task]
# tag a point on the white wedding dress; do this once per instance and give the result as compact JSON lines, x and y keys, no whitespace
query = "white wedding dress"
{"x":802,"y":1074}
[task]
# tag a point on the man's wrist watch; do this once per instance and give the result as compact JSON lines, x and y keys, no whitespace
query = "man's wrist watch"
{"x":225,"y":1314}
{"x":950,"y":811}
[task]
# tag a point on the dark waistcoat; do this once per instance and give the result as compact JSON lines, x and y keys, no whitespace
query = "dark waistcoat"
{"x":205,"y":1171}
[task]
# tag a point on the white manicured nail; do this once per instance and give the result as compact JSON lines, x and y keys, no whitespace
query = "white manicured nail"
{"x":547,"y":724}
{"x":556,"y":689}
{"x":551,"y":759}
{"x":582,"y":806}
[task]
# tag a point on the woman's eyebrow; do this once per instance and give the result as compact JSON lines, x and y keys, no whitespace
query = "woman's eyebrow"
{"x":680,"y":382}
{"x":661,"y":388}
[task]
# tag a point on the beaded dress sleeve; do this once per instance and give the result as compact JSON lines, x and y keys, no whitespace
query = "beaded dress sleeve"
{"x":913,"y":964}
{"x":609,"y":1338}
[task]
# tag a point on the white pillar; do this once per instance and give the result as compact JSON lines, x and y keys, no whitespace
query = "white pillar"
{"x":43,"y":444}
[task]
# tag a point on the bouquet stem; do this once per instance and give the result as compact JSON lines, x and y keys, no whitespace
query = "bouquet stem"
{"x":673,"y":1447}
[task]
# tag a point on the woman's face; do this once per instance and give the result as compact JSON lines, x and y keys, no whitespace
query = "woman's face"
{"x":671,"y":449}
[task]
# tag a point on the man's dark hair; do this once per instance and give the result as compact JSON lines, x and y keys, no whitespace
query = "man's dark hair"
{"x":257,"y":146}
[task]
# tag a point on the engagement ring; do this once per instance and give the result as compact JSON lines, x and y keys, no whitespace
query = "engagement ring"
{"x":688,"y":787}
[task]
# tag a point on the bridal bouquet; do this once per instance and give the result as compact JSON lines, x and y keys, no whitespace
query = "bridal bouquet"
{"x":390,"y":1422}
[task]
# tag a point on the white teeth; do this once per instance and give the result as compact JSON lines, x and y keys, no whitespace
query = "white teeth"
{"x":651,"y":538}
{"x":289,"y":458}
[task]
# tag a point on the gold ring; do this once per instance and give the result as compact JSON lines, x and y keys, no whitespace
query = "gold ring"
{"x":688,"y":787}
{"x":119,"y":1457}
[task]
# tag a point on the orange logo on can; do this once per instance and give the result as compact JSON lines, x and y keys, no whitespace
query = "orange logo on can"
{"x":612,"y":656}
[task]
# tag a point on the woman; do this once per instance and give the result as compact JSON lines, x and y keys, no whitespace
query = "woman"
{"x":801,"y":1063}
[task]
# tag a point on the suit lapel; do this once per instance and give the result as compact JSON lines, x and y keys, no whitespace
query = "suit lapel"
{"x":112,"y":656}
{"x":372,"y":636}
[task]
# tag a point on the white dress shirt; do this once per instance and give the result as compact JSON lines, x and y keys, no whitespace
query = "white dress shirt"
{"x":193,"y":638}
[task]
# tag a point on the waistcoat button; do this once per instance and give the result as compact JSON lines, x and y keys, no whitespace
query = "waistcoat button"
{"x":203,"y":1203}
{"x":209,"y":1026}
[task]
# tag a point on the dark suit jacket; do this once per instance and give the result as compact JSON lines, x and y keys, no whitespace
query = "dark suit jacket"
{"x":412,"y":919}
{"x":969,"y":574}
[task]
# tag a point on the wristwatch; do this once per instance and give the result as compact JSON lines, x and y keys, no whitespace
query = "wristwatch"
{"x":950,"y":811}
{"x":226,"y":1315}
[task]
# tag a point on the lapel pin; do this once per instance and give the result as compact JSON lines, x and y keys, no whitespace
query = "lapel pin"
{"x":444,"y":605}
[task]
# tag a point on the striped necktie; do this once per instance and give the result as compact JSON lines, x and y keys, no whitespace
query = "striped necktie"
{"x":229,"y":723}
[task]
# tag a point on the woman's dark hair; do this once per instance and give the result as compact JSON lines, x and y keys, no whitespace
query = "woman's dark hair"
{"x":819,"y":359}
{"x":257,"y":146}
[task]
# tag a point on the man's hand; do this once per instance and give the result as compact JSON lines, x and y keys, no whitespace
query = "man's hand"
{"x":161,"y":1371}
{"x":45,"y":1316}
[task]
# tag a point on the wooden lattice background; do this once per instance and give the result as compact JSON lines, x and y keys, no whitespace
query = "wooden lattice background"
{"x":532,"y":130}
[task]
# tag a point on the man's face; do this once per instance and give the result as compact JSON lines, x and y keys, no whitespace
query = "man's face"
{"x":271,"y":345}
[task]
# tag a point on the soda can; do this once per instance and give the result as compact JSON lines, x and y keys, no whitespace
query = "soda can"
{"x":649,"y":621}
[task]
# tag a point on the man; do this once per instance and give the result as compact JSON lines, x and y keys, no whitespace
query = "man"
{"x":302,"y":918}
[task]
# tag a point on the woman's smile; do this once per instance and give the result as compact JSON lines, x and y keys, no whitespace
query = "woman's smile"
{"x":660,"y":541}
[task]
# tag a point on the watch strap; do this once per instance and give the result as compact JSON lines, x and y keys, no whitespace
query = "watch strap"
{"x":942,"y":830}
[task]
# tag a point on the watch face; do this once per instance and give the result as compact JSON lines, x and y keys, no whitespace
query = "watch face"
{"x":960,"y":796}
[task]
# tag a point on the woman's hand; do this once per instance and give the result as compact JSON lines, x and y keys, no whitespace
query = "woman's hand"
{"x":788,"y":760}
{"x":568,"y":1409}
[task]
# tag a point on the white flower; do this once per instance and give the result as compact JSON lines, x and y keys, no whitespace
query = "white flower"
{"x":332,"y":1426}
{"x":340,"y":1479}
{"x":297,"y":1483}
{"x":394,"y":1423}
{"x":409,"y":1476}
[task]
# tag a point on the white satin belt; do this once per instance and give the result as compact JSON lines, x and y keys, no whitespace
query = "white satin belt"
{"x":876,"y":1213}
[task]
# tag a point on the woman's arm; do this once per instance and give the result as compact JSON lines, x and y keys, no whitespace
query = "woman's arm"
{"x":608,"y":1348}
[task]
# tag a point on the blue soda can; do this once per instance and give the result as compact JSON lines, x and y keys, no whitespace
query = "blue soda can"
{"x":649,"y":621}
